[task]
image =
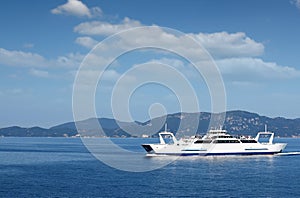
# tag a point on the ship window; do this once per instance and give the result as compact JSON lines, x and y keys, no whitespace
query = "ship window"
{"x":199,"y":142}
{"x":202,"y":142}
{"x":227,"y":141}
{"x":248,"y":141}
{"x":223,"y":136}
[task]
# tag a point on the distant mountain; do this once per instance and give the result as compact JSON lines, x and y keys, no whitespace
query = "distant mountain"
{"x":16,"y":131}
{"x":236,"y":122}
{"x":90,"y":127}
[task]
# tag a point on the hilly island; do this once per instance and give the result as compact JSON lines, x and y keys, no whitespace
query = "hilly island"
{"x":236,"y":123}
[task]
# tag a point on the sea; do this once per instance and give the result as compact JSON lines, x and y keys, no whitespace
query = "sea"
{"x":65,"y":167}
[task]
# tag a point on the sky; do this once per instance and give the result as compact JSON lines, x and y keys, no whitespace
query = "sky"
{"x":254,"y":44}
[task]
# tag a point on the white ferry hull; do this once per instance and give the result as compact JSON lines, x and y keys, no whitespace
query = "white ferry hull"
{"x":215,"y":142}
{"x":215,"y":149}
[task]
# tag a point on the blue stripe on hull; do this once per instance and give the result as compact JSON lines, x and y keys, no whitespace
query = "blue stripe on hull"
{"x":256,"y":149}
{"x":246,"y":153}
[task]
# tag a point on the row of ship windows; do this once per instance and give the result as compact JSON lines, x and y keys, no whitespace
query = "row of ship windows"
{"x":224,"y":141}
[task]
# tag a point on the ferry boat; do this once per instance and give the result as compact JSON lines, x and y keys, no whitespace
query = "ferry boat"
{"x":215,"y":142}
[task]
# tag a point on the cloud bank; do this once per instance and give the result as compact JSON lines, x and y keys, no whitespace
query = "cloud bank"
{"x":236,"y":54}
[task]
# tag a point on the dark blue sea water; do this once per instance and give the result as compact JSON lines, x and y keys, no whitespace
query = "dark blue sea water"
{"x":63,"y":167}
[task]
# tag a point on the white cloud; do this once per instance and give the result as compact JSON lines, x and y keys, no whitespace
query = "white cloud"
{"x":223,"y":44}
{"x":86,"y":41}
{"x":33,"y":60}
{"x":39,"y":73}
{"x":105,"y":28}
{"x":148,"y":37}
{"x":235,"y":52}
{"x":252,"y":69}
{"x":20,"y":58}
{"x":219,"y":44}
{"x":77,"y":8}
{"x":238,"y":70}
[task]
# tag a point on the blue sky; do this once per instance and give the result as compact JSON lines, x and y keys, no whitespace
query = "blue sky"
{"x":255,"y":44}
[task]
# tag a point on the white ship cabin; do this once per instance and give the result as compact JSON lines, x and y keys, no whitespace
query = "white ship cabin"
{"x":217,"y":133}
{"x":222,"y":136}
